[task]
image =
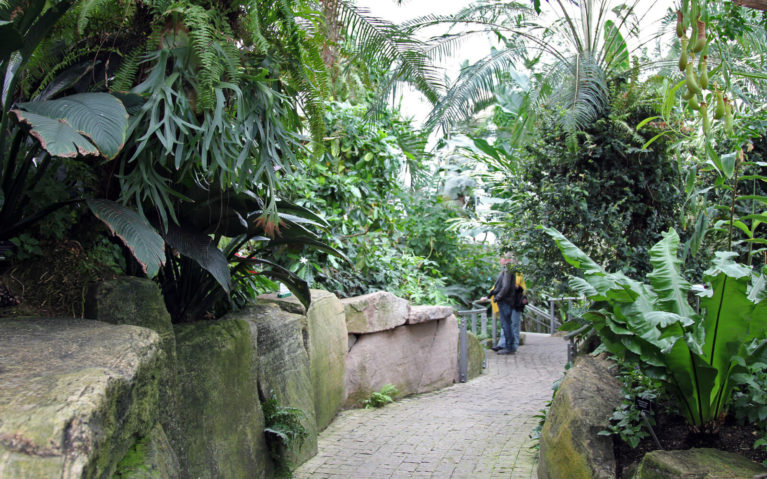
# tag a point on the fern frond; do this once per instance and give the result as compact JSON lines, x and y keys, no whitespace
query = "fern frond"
{"x":126,"y":74}
{"x":87,"y":9}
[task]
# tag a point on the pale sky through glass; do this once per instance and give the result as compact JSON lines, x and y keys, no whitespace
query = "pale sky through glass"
{"x":413,"y":104}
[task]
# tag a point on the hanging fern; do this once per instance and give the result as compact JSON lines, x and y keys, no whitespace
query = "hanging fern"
{"x":126,"y":74}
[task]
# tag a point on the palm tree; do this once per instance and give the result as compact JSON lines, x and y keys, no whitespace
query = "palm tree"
{"x":574,"y":58}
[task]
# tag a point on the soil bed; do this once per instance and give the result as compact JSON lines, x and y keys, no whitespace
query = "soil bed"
{"x":673,"y":434}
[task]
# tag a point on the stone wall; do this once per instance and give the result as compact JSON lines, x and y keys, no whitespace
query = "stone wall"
{"x":415,"y":350}
{"x":142,"y":398}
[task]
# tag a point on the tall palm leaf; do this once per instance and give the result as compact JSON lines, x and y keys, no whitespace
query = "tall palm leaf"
{"x":580,"y":52}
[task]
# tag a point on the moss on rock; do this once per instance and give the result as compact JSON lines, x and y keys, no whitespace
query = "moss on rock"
{"x":569,"y":443}
{"x":283,"y":365}
{"x":476,"y":356}
{"x":327,"y":344}
{"x":698,"y":463}
{"x":152,"y":457}
{"x":221,"y":433}
{"x":138,"y":301}
{"x":74,"y":394}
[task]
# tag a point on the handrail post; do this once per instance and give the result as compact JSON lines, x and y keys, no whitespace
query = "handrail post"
{"x":551,"y":317}
{"x":463,"y":359}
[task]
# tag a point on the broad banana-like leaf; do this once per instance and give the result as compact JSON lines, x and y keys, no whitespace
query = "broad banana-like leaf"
{"x":615,"y":51}
{"x":65,"y":80}
{"x":81,"y":124}
{"x":666,"y":279}
{"x":572,"y":254}
{"x":200,"y":248}
{"x":143,"y":241}
{"x":729,"y":316}
{"x":296,"y":210}
{"x":10,"y":39}
{"x":313,"y":244}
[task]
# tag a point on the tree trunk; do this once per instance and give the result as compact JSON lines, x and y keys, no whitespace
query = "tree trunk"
{"x":755,"y":4}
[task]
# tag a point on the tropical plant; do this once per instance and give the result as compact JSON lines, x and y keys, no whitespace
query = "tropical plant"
{"x":750,"y":399}
{"x":694,"y":355}
{"x":284,"y":430}
{"x":381,"y":398}
{"x":628,"y":421}
{"x":612,"y":195}
{"x":36,"y":134}
{"x":578,"y":54}
{"x":200,"y":280}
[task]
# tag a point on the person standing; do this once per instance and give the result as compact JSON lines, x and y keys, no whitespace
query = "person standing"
{"x":509,"y":291}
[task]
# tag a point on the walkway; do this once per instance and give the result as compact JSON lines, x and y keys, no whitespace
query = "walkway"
{"x":475,"y":430}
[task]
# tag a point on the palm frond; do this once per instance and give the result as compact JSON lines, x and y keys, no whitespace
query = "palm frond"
{"x":379,"y":41}
{"x":474,"y":86}
{"x":583,"y":93}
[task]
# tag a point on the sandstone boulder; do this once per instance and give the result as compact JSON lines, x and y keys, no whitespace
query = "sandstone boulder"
{"x":221,"y":431}
{"x":570,"y":445}
{"x":697,"y":463}
{"x":74,"y":395}
{"x":327,"y":346}
{"x":151,"y":457}
{"x":476,"y":356}
{"x":283,"y":367}
{"x":415,"y":358}
{"x":379,"y":311}
{"x":422,"y":314}
{"x":138,"y":301}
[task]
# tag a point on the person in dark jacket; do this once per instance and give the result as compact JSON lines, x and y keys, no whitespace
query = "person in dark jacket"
{"x":509,"y":289}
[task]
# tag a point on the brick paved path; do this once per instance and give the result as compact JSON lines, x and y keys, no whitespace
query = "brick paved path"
{"x":475,"y":430}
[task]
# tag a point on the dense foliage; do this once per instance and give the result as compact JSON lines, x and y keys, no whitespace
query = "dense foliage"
{"x":611,"y":195}
{"x":394,"y":235}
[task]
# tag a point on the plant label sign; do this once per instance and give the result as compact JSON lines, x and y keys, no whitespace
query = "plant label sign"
{"x":643,"y":405}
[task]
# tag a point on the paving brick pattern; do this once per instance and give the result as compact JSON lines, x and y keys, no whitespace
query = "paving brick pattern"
{"x":479,"y":429}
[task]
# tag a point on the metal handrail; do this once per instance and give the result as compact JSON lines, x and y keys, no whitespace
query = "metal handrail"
{"x":572,"y":345}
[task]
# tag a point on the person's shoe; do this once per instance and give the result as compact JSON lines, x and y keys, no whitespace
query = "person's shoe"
{"x":506,"y":351}
{"x":496,"y":348}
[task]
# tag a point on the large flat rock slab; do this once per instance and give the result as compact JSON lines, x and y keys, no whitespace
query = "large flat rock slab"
{"x":374,"y":312}
{"x":326,"y":345}
{"x":414,"y":358}
{"x":423,"y":314}
{"x":74,"y":395}
{"x":697,"y":463}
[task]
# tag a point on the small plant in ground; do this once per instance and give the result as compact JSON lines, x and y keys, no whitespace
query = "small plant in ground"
{"x":626,"y":421}
{"x":750,"y":400}
{"x":382,"y":397}
{"x":283,"y":431}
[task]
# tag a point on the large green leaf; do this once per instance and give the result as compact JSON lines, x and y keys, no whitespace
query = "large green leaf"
{"x":71,"y":126}
{"x":10,"y":39}
{"x":666,"y":278}
{"x":200,"y":248}
{"x":143,"y":241}
{"x":573,"y":254}
{"x":293,"y":282}
{"x":616,"y":52}
{"x":728,"y":314}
